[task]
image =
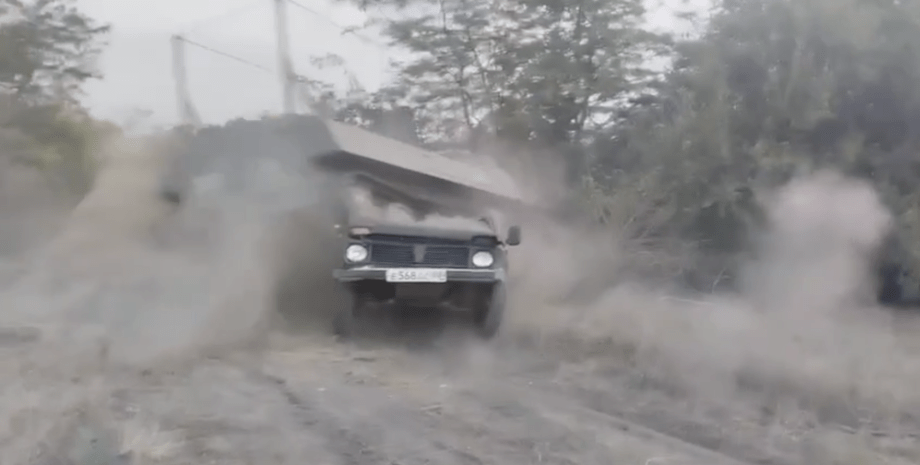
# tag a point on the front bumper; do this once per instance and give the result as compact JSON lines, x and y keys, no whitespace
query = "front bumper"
{"x":453,"y":275}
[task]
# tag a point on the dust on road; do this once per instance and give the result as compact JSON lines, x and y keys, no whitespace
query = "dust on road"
{"x":149,"y":354}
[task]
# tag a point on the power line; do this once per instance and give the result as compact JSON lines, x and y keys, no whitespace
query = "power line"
{"x":344,"y":29}
{"x":227,"y":55}
{"x":316,"y":13}
{"x":244,"y":61}
{"x":185,"y":104}
{"x":196,"y":24}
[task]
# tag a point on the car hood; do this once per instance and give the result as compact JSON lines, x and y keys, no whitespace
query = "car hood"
{"x":463,"y":229}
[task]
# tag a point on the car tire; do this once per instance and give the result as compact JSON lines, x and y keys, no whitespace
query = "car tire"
{"x":343,"y":322}
{"x":489,"y":317}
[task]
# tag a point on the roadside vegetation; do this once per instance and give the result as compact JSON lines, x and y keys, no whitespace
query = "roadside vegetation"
{"x":672,"y":139}
{"x":48,"y":50}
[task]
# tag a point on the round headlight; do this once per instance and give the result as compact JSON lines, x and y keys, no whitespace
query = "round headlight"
{"x":356,"y":253}
{"x":483,"y":259}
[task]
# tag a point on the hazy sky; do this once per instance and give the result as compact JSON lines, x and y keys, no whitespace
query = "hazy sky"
{"x":137,"y":62}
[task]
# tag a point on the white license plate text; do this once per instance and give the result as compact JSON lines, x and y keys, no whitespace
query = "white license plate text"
{"x":416,"y":275}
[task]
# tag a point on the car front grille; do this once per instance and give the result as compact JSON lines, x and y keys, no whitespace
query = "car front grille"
{"x":402,"y":251}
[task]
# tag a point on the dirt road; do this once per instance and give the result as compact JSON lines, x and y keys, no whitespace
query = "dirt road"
{"x":316,"y":400}
{"x":118,"y":365}
{"x":326,"y":405}
{"x":329,"y":404}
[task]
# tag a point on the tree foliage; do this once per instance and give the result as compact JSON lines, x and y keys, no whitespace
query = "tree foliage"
{"x":48,"y":50}
{"x":763,"y":91}
{"x":538,"y":71}
{"x":776,"y":88}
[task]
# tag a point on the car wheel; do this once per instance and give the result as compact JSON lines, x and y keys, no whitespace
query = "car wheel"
{"x":490,"y":316}
{"x":343,"y":322}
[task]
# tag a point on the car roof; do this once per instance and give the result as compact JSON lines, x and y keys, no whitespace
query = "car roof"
{"x":330,"y":142}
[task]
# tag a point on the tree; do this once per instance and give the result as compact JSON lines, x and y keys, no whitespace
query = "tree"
{"x":772,"y":89}
{"x":47,"y":49}
{"x":766,"y":90}
{"x":538,"y":71}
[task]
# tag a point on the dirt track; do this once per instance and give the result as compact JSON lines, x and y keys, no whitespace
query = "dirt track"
{"x":121,"y":375}
{"x":367,"y":407}
{"x":314,"y":399}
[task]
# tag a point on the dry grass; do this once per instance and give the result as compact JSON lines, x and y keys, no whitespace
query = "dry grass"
{"x":145,"y":442}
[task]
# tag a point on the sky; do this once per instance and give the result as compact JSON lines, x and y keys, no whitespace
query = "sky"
{"x":138,"y":87}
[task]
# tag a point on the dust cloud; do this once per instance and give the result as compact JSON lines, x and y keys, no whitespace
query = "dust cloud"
{"x":106,"y":271}
{"x":124,"y":287}
{"x":804,"y":326}
{"x":131,"y":285}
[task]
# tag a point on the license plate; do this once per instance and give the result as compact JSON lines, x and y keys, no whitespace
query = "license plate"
{"x":416,"y":275}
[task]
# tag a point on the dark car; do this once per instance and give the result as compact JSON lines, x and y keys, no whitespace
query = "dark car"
{"x":410,"y":252}
{"x":416,"y":228}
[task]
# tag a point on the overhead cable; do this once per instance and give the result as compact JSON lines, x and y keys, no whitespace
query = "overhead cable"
{"x":345,"y":29}
{"x":227,"y":55}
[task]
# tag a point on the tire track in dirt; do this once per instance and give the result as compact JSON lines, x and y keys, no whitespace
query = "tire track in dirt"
{"x":362,"y":426}
{"x":519,"y":403}
{"x":415,"y":416}
{"x":752,"y":426}
{"x":348,"y":445}
{"x":652,"y":413}
{"x":605,"y":416}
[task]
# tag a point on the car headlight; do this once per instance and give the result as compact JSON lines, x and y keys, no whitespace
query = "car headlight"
{"x":355,"y":253}
{"x":483,"y":259}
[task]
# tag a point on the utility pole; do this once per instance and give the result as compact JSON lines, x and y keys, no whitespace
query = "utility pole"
{"x":285,"y":67}
{"x":186,"y":109}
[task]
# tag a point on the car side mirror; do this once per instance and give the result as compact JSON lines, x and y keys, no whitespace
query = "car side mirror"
{"x":514,"y":236}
